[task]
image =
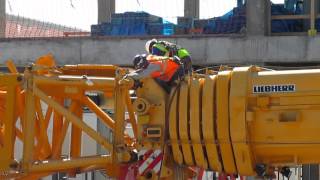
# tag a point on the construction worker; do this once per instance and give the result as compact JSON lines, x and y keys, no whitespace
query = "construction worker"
{"x":165,"y":48}
{"x":165,"y":70}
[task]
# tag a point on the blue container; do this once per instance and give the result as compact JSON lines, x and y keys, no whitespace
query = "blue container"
{"x":153,"y":19}
{"x":279,"y":9}
{"x":155,"y":29}
{"x":138,"y":29}
{"x":96,"y":30}
{"x":117,"y":20}
{"x":318,"y":25}
{"x":168,"y":29}
{"x":139,"y":20}
{"x":120,"y":30}
{"x":181,"y":30}
{"x":106,"y":28}
{"x":185,"y":22}
{"x":239,"y":11}
{"x":290,"y":5}
{"x":278,"y":26}
{"x":129,"y":20}
{"x":117,"y":15}
{"x":201,"y":23}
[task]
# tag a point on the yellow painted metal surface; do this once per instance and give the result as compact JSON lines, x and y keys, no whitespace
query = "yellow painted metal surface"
{"x":28,"y":140}
{"x":7,"y":126}
{"x":208,"y":123}
{"x":223,"y":122}
{"x":184,"y":124}
{"x":286,"y":130}
{"x":29,"y":101}
{"x":238,"y":124}
{"x":155,"y":97}
{"x":173,"y":129}
{"x":195,"y":123}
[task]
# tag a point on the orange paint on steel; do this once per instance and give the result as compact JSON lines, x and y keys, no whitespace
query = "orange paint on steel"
{"x":130,"y":109}
{"x":106,"y":119}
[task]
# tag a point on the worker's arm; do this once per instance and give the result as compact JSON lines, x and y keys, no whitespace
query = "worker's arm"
{"x":140,"y":74}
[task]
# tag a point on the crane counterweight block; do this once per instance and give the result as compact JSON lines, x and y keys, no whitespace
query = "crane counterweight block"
{"x":248,"y":118}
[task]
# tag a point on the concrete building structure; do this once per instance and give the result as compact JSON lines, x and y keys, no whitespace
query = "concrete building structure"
{"x":204,"y":50}
{"x":192,"y":8}
{"x":2,"y":18}
{"x":105,"y":9}
{"x":257,"y":18}
{"x":250,"y":48}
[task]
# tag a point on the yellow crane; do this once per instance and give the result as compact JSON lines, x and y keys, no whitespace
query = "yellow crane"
{"x":244,"y":121}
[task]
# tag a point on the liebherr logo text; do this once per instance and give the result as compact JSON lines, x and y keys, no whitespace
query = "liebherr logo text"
{"x":274,"y":88}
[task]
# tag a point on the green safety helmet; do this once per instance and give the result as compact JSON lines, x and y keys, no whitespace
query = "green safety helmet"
{"x":183,"y":53}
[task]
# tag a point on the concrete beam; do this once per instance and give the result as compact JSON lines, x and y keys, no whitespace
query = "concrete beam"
{"x":257,"y":17}
{"x":105,"y":9}
{"x":2,"y":18}
{"x":192,"y":8}
{"x":204,"y":50}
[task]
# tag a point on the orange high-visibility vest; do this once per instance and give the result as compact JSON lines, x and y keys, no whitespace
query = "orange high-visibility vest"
{"x":167,"y":67}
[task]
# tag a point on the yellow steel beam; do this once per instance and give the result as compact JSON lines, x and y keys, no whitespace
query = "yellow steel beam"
{"x":132,"y":117}
{"x":98,"y":83}
{"x":48,"y":116}
{"x":76,"y":136}
{"x":56,"y":150}
{"x":29,"y":123}
{"x":72,"y":118}
{"x":106,"y":119}
{"x":67,"y":164}
{"x":39,"y":147}
{"x":43,"y":139}
{"x":19,"y":134}
{"x":90,"y":69}
{"x":12,"y":68}
{"x":119,"y":122}
{"x":57,"y":127}
{"x":7,"y":149}
{"x":20,"y":98}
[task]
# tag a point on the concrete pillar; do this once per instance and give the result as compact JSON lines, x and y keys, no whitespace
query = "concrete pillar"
{"x":105,"y":9}
{"x":192,"y":8}
{"x":257,"y":17}
{"x":2,"y":18}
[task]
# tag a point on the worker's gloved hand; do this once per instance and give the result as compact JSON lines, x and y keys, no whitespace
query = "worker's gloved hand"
{"x":130,"y":82}
{"x":177,"y":60}
{"x":127,"y":81}
{"x":137,"y":84}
